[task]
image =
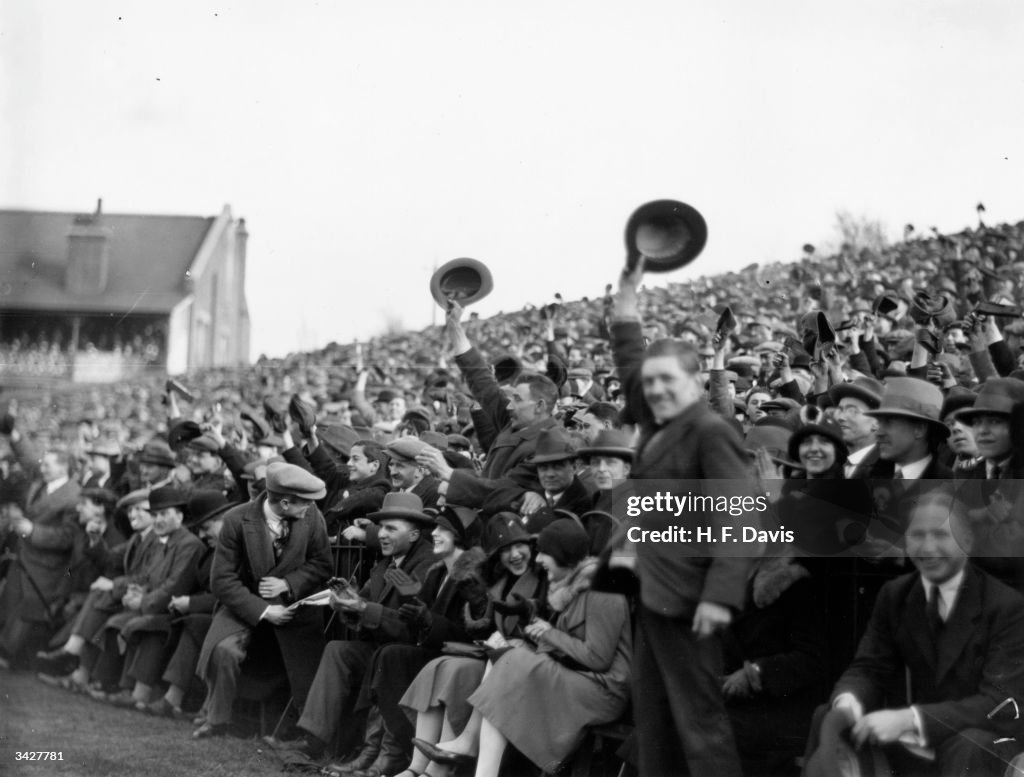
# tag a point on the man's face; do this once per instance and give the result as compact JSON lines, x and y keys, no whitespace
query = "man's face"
{"x":668,"y":388}
{"x":209,"y":531}
{"x":898,"y":437}
{"x":139,"y":516}
{"x":202,"y":462}
{"x":397,"y":408}
{"x":521,"y":404}
{"x":152,"y":473}
{"x":361,"y":468}
{"x":293,"y":507}
{"x":556,"y":476}
{"x":754,"y":411}
{"x":609,"y":471}
{"x":992,"y":436}
{"x":589,"y":425}
{"x":51,"y":468}
{"x":932,"y":544}
{"x":404,"y":474}
{"x":99,"y":464}
{"x":856,"y":428}
{"x":397,"y":536}
{"x":166,"y":521}
{"x":88,"y":510}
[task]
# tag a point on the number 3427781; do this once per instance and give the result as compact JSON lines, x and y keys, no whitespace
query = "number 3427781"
{"x":37,"y":755}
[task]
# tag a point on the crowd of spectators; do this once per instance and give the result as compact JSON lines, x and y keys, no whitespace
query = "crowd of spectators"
{"x":469,"y":479}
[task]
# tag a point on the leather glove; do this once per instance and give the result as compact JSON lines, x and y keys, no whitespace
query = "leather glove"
{"x":515,"y":605}
{"x":415,"y":613}
{"x":407,"y":587}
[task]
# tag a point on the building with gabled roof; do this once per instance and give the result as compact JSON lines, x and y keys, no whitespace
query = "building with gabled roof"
{"x":121,"y":293}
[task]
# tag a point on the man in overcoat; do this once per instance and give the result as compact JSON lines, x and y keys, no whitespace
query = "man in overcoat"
{"x":270,"y":553}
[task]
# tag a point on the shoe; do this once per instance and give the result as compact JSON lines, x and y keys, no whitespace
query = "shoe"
{"x":208,"y":730}
{"x":161,"y":708}
{"x":123,"y":699}
{"x":363,"y":760}
{"x":386,"y":764}
{"x":198,"y":720}
{"x":97,"y":693}
{"x":437,"y":755}
{"x":56,"y":662}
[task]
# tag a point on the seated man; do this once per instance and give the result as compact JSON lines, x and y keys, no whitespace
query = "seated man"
{"x":374,"y":611}
{"x":937,"y":679}
{"x":270,"y":553}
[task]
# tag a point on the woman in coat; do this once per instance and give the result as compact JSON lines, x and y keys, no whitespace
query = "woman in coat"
{"x":439,"y":694}
{"x":540,"y":699}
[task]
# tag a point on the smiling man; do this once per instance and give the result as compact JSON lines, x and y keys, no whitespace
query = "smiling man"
{"x":686,"y":601}
{"x":958,"y":634}
{"x":406,"y":546}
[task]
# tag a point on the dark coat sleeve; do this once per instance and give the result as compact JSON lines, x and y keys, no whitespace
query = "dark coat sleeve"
{"x":484,"y":387}
{"x":310,"y":576}
{"x":229,"y":567}
{"x":177,"y":573}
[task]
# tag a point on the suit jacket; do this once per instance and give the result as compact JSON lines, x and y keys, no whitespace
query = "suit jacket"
{"x":956,"y":680}
{"x":695,"y":445}
{"x":379,"y":622}
{"x":173,"y":571}
{"x":243,"y":556}
{"x":508,"y":456}
{"x":39,"y":583}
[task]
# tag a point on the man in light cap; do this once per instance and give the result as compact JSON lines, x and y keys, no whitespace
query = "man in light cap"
{"x":407,"y":474}
{"x":271,"y":552}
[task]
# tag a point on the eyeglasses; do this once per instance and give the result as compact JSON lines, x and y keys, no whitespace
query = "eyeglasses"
{"x":850,"y":410}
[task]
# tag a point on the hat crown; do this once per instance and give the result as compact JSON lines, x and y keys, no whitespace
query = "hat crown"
{"x":504,"y":529}
{"x":205,"y":501}
{"x":555,"y":442}
{"x":613,"y":438}
{"x":998,"y":395}
{"x":912,"y":396}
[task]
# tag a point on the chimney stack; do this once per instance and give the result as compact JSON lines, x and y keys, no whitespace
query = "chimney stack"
{"x":88,"y":254}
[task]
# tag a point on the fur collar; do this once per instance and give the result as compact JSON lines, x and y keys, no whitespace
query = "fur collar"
{"x":469,"y":566}
{"x":562,"y":592}
{"x":774,"y":576}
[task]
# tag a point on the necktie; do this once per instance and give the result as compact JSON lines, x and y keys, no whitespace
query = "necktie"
{"x":934,"y":617}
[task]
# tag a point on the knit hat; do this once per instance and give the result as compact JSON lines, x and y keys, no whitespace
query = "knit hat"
{"x":565,"y":541}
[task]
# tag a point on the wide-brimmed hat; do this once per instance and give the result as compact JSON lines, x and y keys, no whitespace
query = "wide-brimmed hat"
{"x":166,"y":496}
{"x":133,"y":498}
{"x":610,"y":442}
{"x":158,"y":453}
{"x":502,"y":530}
{"x":461,"y":280}
{"x":785,"y":404}
{"x":554,"y":444}
{"x":402,"y":504}
{"x":826,"y":429}
{"x":772,"y":434}
{"x":867,"y":390}
{"x":205,"y":504}
{"x":996,"y":397}
{"x":911,"y":398}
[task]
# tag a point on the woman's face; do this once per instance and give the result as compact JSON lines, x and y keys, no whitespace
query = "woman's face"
{"x":817,"y":454}
{"x":555,"y":571}
{"x":444,"y":542}
{"x":516,"y":558}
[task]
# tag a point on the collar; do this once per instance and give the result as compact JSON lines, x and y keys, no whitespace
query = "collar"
{"x":163,"y":540}
{"x":553,"y":497}
{"x":53,"y":485}
{"x":915,"y":469}
{"x":948,"y":591}
{"x":857,"y":456}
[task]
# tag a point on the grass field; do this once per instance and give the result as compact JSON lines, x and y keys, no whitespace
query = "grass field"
{"x":98,"y":740}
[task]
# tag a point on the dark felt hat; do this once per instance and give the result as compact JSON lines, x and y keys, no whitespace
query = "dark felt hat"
{"x":867,"y":390}
{"x":610,"y":442}
{"x":402,"y":504}
{"x":827,"y":429}
{"x":957,"y":398}
{"x":997,"y":396}
{"x":205,"y":504}
{"x":670,"y":234}
{"x":554,"y":444}
{"x":461,"y":280}
{"x":167,"y":496}
{"x":502,"y":530}
{"x":912,"y":398}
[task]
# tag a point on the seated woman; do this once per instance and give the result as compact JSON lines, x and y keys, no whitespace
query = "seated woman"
{"x":439,"y":694}
{"x":775,"y":667}
{"x":540,"y":699}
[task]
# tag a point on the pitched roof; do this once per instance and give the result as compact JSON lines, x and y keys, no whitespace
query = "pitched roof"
{"x":149,"y":258}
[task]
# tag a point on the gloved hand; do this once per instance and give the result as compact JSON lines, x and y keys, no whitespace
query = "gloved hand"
{"x":406,"y":586}
{"x":415,"y":613}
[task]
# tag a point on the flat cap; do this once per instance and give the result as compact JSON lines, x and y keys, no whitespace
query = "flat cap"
{"x":288,"y":479}
{"x":204,"y":442}
{"x":406,"y":448}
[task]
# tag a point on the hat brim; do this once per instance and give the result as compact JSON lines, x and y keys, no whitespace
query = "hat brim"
{"x":909,"y":415}
{"x":407,"y":515}
{"x":675,"y":219}
{"x":551,"y":458}
{"x":461,"y":280}
{"x":211,"y":515}
{"x":854,"y":392}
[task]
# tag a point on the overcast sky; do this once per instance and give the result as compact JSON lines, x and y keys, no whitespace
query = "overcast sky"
{"x":366,"y":142}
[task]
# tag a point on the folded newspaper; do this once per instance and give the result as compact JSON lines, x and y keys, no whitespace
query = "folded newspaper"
{"x":319,"y":599}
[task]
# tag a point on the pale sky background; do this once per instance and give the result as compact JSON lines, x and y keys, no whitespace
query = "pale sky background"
{"x":366,"y":142}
